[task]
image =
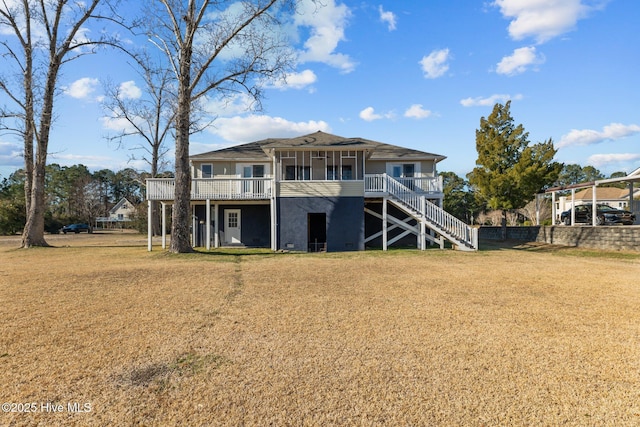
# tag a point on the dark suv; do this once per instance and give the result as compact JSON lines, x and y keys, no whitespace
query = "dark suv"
{"x":76,"y":228}
{"x":605,"y":214}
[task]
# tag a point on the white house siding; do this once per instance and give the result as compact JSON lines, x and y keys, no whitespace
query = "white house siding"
{"x":320,"y":189}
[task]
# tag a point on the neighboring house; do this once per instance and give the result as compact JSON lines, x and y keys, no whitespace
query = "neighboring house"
{"x":121,"y":213}
{"x":317,"y":192}
{"x":615,"y":197}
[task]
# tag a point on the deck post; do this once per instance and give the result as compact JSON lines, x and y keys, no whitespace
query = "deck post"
{"x":194,"y":226}
{"x":216,"y":235}
{"x":149,"y":226}
{"x":274,"y":242}
{"x":208,"y":219}
{"x":384,"y":223}
{"x":164,"y":225}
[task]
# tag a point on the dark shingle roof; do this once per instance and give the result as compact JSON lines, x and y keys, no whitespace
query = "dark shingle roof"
{"x":315,"y":141}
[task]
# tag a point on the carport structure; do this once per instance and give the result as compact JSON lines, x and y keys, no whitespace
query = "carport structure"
{"x":630,"y":179}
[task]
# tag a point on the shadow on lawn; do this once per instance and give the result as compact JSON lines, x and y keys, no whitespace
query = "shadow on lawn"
{"x":499,"y":245}
{"x":540,"y":247}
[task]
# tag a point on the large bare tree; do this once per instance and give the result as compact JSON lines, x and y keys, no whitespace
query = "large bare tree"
{"x":220,"y":48}
{"x":41,"y":36}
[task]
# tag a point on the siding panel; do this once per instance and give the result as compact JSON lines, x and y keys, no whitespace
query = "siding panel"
{"x":321,"y":189}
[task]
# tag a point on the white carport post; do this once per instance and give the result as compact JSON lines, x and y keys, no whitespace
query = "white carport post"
{"x":149,"y":227}
{"x":594,"y":205}
{"x":553,"y":208}
{"x":164,"y":225}
{"x":208,"y":219}
{"x":573,"y":206}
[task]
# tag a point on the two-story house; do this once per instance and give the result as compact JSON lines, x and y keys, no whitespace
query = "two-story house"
{"x":121,"y":213}
{"x":317,"y":192}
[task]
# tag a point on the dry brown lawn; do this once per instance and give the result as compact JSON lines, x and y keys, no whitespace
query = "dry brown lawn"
{"x":530,"y":335}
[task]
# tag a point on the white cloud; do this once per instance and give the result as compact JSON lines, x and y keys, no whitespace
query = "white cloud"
{"x":90,"y":161}
{"x":435,"y":64}
{"x":589,"y":137}
{"x":388,"y":17}
{"x":542,"y":19}
{"x":490,"y":101}
{"x":11,"y":154}
{"x":600,"y":160}
{"x":417,"y":112}
{"x":297,"y":80}
{"x":257,"y":127}
{"x":129,"y":90}
{"x":369,"y":115}
{"x":327,"y":27}
{"x":119,"y":125}
{"x":228,"y":106}
{"x":82,"y":88}
{"x":518,"y":62}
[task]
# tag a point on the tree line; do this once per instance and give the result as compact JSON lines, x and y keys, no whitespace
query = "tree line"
{"x":72,"y":194}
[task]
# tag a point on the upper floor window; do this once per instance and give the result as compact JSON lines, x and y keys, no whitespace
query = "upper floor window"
{"x":406,"y":170}
{"x":206,"y":171}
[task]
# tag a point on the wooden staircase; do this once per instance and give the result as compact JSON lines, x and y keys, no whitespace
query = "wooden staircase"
{"x":430,"y":215}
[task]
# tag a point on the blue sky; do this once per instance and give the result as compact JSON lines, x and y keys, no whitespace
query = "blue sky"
{"x":412,"y":73}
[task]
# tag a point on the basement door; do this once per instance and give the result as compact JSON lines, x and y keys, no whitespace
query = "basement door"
{"x":232,"y":233}
{"x":317,"y":232}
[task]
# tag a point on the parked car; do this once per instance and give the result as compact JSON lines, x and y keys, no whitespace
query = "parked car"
{"x":605,"y":214}
{"x":76,"y":228}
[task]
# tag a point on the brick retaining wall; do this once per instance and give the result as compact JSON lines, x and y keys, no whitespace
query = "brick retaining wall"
{"x":606,"y":237}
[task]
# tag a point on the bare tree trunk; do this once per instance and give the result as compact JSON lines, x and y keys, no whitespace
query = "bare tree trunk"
{"x":181,"y":216}
{"x":33,"y":234}
{"x":180,"y":241}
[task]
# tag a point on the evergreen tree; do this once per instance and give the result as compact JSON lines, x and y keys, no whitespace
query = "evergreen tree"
{"x":509,"y":171}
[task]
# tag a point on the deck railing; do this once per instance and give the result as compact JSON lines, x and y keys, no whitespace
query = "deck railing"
{"x":377,"y":183}
{"x":213,"y":188}
{"x":458,"y":232}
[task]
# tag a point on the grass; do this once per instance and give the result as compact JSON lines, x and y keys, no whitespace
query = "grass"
{"x":510,"y":335}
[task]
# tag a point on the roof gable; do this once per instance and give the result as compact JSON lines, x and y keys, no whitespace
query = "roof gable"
{"x":122,"y":204}
{"x":603,"y":193}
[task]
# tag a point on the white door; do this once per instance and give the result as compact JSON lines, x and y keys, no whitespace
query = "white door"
{"x":232,"y":226}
